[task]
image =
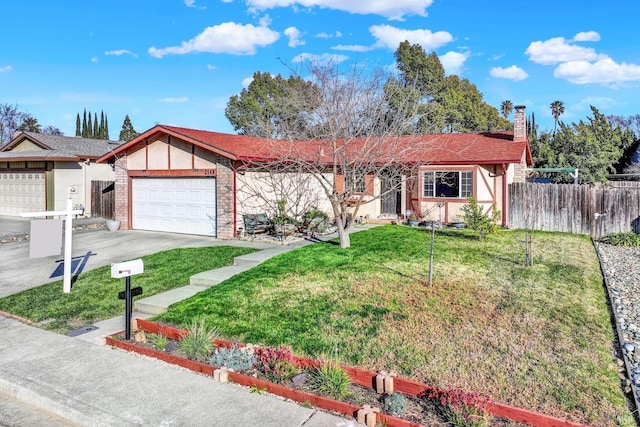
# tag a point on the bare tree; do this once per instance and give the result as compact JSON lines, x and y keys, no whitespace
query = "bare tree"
{"x":10,"y":120}
{"x":350,"y":141}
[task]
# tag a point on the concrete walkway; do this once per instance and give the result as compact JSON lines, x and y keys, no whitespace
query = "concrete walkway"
{"x":79,"y":382}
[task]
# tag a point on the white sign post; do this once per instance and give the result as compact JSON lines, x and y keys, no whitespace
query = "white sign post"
{"x":68,"y":212}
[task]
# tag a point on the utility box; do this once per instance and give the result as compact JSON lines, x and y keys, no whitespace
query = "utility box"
{"x":126,"y":269}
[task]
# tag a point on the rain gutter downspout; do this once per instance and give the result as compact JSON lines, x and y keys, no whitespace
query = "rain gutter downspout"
{"x":504,"y":195}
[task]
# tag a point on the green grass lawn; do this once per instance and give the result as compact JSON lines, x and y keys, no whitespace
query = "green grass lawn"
{"x":538,"y":337}
{"x":94,"y":295}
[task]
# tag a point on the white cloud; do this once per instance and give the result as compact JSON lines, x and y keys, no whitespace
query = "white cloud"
{"x":120,"y":52}
{"x":211,"y":67}
{"x":391,"y":37}
{"x":453,"y":62}
{"x":587,"y":36}
{"x":600,"y":102}
{"x":192,"y":3}
{"x":247,"y":81}
{"x":604,"y":71}
{"x":229,"y":37}
{"x":325,"y":58}
{"x":328,"y":36}
{"x":511,"y":73}
{"x":294,"y":37}
{"x":557,"y":50}
{"x":175,"y":100}
{"x":6,"y":68}
{"x":396,"y":9}
{"x":94,"y":59}
{"x":353,"y":47}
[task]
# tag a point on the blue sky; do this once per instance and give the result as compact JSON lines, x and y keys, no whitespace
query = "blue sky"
{"x":177,"y":62}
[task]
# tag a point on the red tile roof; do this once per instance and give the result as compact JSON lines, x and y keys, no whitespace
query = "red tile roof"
{"x":463,"y":148}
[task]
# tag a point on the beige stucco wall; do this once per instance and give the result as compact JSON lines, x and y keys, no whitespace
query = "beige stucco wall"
{"x":74,"y":179}
{"x":258,"y":192}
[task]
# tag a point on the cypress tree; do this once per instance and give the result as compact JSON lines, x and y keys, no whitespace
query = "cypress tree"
{"x":84,"y":124}
{"x":106,"y":127}
{"x":96,"y":131}
{"x":89,"y":127}
{"x":78,"y":132}
{"x":101,"y":128}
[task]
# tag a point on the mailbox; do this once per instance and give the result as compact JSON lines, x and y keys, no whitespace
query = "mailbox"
{"x":126,"y":269}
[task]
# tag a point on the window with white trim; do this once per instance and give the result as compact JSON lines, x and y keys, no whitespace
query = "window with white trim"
{"x":458,"y":184}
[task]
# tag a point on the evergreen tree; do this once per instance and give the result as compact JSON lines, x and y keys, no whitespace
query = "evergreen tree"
{"x":101,"y":127}
{"x":106,"y":127}
{"x":89,"y":127}
{"x":128,"y":132}
{"x":96,"y":130}
{"x":84,"y":124}
{"x":78,"y":131}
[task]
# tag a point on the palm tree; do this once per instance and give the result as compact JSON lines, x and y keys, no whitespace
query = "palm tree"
{"x":557,"y":109}
{"x":30,"y":124}
{"x":505,"y":108}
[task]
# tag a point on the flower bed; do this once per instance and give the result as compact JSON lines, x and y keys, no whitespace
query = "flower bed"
{"x":453,"y":400}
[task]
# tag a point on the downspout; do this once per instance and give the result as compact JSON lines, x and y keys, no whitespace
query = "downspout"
{"x":235,"y":203}
{"x":504,"y":195}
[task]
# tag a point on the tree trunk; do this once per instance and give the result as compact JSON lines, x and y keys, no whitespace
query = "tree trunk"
{"x":343,"y":233}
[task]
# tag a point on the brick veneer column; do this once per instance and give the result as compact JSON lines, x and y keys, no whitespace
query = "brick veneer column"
{"x":225,"y":198}
{"x":122,"y":193}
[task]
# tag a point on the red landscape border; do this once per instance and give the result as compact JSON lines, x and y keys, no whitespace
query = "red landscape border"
{"x":358,"y":376}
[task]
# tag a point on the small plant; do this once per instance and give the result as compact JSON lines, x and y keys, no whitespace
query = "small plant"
{"x":257,"y":390}
{"x":477,"y":220}
{"x":276,"y":363}
{"x":157,"y":341}
{"x":236,"y":358}
{"x":622,"y":239}
{"x":330,"y":380}
{"x":394,"y":404}
{"x":462,"y":409}
{"x":197,"y":344}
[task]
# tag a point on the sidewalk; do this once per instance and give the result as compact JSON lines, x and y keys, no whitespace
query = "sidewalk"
{"x":94,"y":385}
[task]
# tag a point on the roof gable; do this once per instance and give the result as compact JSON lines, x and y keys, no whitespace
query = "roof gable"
{"x":31,"y":145}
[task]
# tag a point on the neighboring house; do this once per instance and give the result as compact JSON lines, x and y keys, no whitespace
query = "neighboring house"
{"x":191,"y":181}
{"x":39,"y":172}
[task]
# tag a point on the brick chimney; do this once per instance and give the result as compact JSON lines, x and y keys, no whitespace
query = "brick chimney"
{"x":519,"y":124}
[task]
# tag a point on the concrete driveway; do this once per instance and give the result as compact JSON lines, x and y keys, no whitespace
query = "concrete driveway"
{"x":90,"y":249}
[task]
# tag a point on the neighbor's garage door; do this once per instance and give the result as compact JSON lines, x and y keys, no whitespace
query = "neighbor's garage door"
{"x":177,"y":205}
{"x":22,"y":192}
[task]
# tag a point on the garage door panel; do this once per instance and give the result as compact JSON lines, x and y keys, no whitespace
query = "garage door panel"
{"x":22,"y":192}
{"x":178,"y":205}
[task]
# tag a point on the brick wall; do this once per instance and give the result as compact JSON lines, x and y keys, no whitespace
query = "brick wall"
{"x":122,"y":192}
{"x":225,"y":204}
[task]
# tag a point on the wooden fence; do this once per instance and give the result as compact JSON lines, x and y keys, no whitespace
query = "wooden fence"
{"x":103,"y":198}
{"x":581,"y":209}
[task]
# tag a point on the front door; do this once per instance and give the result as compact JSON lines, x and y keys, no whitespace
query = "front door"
{"x":391,"y":200}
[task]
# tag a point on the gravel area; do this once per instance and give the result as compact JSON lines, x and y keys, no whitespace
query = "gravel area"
{"x":621,"y":269}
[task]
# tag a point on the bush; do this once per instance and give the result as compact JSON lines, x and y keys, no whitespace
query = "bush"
{"x":236,"y":358}
{"x":622,"y":239}
{"x":475,"y":219}
{"x":197,"y":344}
{"x":276,"y":363}
{"x":462,"y":409}
{"x":329,"y":379}
{"x":394,"y":404}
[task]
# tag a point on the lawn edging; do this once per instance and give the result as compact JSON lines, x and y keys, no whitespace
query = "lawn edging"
{"x":358,"y":376}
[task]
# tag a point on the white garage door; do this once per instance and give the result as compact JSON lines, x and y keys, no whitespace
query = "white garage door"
{"x":176,"y":205}
{"x":22,"y":192}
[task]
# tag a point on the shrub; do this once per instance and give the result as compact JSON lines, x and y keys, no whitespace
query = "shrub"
{"x":622,"y":239}
{"x":462,"y":409}
{"x":276,"y":363}
{"x":394,"y":404}
{"x":330,"y":379}
{"x":477,"y":220}
{"x":236,"y":358}
{"x":197,"y":344}
{"x":157,"y":341}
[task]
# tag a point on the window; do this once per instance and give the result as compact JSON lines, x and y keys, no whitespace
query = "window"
{"x":355,"y":182}
{"x":448,"y":184}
